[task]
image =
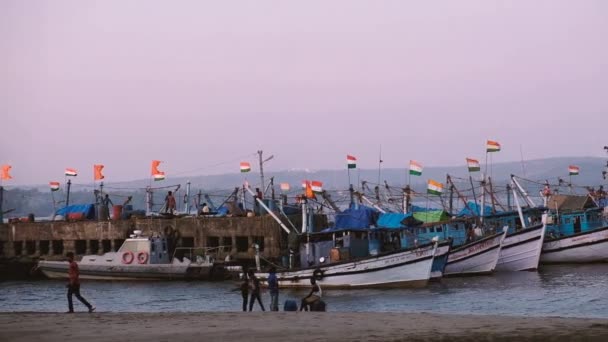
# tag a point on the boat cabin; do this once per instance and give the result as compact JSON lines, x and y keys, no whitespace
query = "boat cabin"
{"x":345,"y":244}
{"x":155,"y":248}
{"x":574,"y":222}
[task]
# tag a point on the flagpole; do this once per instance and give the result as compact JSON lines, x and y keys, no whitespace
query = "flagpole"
{"x":348,"y":171}
{"x":54,"y":206}
{"x":380,"y":164}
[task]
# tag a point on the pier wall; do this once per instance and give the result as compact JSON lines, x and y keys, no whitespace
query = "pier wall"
{"x":51,"y":240}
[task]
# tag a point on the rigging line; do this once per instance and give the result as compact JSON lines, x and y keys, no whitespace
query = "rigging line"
{"x":214,"y":165}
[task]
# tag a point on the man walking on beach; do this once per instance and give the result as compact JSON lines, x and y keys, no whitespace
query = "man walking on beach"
{"x":74,"y":285}
{"x":254,"y":286}
{"x":245,"y":291}
{"x":273,"y":287}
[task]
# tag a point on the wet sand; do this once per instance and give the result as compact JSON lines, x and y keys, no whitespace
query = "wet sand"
{"x":293,"y":326}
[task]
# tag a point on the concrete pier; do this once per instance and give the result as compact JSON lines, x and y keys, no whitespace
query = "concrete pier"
{"x":51,"y":240}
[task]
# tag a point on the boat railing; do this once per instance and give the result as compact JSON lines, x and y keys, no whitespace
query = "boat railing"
{"x":192,"y":253}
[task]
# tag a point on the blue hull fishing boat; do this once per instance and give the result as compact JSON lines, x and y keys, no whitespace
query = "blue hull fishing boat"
{"x":577,"y":231}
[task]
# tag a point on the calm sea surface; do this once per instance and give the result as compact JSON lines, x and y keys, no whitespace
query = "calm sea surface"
{"x":571,"y":291}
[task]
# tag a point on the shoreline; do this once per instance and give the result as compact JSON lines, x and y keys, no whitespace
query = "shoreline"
{"x":293,"y":326}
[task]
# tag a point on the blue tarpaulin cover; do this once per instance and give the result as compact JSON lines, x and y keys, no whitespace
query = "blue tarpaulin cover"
{"x":476,"y":210}
{"x":363,"y":217}
{"x":391,"y":220}
{"x":87,"y":210}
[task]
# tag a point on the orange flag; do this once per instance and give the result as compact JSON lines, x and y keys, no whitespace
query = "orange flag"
{"x":97,"y":175}
{"x":309,"y":192}
{"x":155,"y":170}
{"x":5,"y":172}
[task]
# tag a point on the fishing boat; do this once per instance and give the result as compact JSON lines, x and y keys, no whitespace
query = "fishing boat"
{"x":578,"y":234}
{"x":358,"y":257}
{"x":397,"y":223}
{"x":475,"y":258}
{"x":521,"y":248}
{"x":139,"y":257}
{"x":473,"y":250}
{"x":341,"y":259}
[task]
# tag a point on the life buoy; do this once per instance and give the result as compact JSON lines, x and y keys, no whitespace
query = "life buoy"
{"x":127,"y":257}
{"x":142,"y":257}
{"x":318,"y":274}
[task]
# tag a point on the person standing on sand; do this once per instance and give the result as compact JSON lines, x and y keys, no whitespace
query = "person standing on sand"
{"x":245,"y":291}
{"x":273,"y":287}
{"x":74,"y":285}
{"x":254,"y":286}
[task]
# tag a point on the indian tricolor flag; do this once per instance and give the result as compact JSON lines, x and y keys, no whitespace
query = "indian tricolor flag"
{"x":159,"y":176}
{"x":473,"y":165}
{"x":573,"y":170}
{"x":71,"y":172}
{"x":245,"y":167}
{"x":492,"y":146}
{"x":316,"y":186}
{"x":351,"y":162}
{"x":434,"y":188}
{"x":415,"y":168}
{"x":54,"y":186}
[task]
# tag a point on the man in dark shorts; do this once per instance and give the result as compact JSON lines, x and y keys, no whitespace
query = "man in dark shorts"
{"x":254,"y":286}
{"x":74,"y":285}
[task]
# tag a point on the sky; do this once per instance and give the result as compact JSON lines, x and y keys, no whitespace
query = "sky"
{"x":202,"y":85}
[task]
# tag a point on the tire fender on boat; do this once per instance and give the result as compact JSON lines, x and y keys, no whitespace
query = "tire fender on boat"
{"x":127,"y":257}
{"x":142,"y":257}
{"x":318,"y":274}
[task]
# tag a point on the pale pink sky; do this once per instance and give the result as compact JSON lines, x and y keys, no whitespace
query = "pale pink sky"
{"x":199,"y":84}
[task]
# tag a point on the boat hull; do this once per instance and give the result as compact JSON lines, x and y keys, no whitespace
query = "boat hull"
{"x":59,"y":270}
{"x":476,"y":258}
{"x":404,"y":268}
{"x":586,"y":247}
{"x":440,"y":260}
{"x":521,"y":250}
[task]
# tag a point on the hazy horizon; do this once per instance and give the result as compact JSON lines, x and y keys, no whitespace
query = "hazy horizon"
{"x":203,"y":85}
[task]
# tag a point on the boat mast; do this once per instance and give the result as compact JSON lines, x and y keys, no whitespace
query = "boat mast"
{"x":262,"y":161}
{"x":188,"y":198}
{"x":519,"y":210}
{"x":523,"y":192}
{"x":466,"y":204}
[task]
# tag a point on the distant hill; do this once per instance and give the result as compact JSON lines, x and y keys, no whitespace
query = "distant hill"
{"x":539,"y":169}
{"x":37,"y":199}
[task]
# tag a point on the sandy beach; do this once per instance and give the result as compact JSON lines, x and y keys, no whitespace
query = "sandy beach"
{"x":293,"y":326}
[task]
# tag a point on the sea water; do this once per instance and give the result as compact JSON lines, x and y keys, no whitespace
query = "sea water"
{"x":565,"y":290}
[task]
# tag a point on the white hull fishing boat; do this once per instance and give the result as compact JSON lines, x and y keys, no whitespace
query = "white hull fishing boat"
{"x":342,"y":258}
{"x":478,"y":257}
{"x":520,"y":251}
{"x":138,"y":258}
{"x":404,"y":268}
{"x":584,"y":247}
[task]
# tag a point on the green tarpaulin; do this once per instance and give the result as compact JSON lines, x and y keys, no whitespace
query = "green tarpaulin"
{"x":431,"y":216}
